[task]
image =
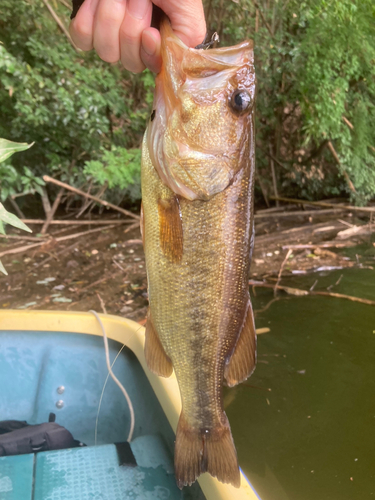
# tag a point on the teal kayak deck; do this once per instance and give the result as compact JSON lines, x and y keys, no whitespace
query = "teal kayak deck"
{"x":66,"y":374}
{"x":90,"y":473}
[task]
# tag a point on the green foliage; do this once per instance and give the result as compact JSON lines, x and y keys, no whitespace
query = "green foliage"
{"x":7,"y":149}
{"x":117,"y":168}
{"x":315,"y":64}
{"x":72,"y":105}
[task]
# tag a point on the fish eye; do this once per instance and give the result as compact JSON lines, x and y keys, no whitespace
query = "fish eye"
{"x":240,"y":101}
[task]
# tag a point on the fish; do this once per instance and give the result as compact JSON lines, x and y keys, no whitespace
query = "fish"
{"x":197,"y":179}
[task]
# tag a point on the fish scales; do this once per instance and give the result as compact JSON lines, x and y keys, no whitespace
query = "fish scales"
{"x":197,"y":221}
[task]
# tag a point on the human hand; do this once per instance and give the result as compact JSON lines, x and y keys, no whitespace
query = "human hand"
{"x":120,"y":29}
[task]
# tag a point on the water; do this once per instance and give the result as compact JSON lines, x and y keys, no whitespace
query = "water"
{"x":304,"y":423}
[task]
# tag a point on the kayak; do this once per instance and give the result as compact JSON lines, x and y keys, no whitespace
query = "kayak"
{"x":54,"y":362}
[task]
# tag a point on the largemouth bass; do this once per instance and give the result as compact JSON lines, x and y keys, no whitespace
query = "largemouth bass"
{"x":197,"y":225}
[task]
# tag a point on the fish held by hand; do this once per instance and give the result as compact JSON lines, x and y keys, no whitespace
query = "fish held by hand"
{"x":197,"y":225}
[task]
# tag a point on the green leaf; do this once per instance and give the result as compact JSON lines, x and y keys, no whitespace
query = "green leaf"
{"x":12,"y":219}
{"x":2,"y":269}
{"x":2,"y":230}
{"x":7,"y":148}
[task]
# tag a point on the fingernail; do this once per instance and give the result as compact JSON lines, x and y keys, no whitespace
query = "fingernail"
{"x":148,"y":43}
{"x":138,"y":8}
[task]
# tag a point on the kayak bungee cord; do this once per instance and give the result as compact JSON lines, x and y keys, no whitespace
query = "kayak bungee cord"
{"x":109,"y":367}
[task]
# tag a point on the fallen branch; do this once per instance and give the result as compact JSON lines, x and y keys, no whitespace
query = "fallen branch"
{"x":299,"y":292}
{"x":46,"y":178}
{"x":324,"y":204}
{"x":297,"y":213}
{"x":77,"y":222}
{"x":23,"y":238}
{"x":61,"y":238}
{"x":329,"y":244}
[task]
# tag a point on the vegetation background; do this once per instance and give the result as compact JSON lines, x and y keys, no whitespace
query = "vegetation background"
{"x":315,"y":64}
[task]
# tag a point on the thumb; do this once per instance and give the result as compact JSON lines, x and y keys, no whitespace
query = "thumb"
{"x":187,"y":19}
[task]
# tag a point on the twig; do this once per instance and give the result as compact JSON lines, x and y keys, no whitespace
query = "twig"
{"x":263,"y":18}
{"x":16,"y":207}
{"x":299,"y":292}
{"x":257,"y":311}
{"x":274,"y":183}
{"x":102,"y":303}
{"x":97,"y":282}
{"x":297,"y":213}
{"x":336,"y":157}
{"x":52,"y":211}
{"x":314,"y":285}
{"x":281,"y":270}
{"x":46,"y":178}
{"x":45,"y":202}
{"x":77,"y":222}
{"x":69,"y":7}
{"x":62,"y":238}
{"x":350,"y":125}
{"x":20,"y":249}
{"x":83,"y":233}
{"x":264,"y":193}
{"x":330,"y":244}
{"x":61,"y":25}
{"x":133,"y":226}
{"x":118,"y":265}
{"x":324,"y":204}
{"x":22,"y":238}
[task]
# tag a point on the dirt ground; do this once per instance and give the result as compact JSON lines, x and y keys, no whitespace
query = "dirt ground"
{"x":69,"y":274}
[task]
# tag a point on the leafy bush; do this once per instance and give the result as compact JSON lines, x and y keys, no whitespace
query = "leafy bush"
{"x":7,"y":149}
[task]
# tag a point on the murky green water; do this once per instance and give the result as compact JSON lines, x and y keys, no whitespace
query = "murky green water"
{"x":304,"y":423}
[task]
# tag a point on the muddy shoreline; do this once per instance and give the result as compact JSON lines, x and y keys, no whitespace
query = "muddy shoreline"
{"x":69,"y":274}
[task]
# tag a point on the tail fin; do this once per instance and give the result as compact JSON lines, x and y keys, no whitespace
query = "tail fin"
{"x":211,"y":451}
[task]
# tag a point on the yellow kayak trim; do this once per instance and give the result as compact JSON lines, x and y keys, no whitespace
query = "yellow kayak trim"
{"x":130,"y":333}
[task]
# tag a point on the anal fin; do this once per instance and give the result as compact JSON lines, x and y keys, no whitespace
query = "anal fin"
{"x":170,"y":228}
{"x":156,"y":358}
{"x":242,"y":362}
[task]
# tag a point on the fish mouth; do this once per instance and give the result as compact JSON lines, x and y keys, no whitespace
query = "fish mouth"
{"x":206,"y":76}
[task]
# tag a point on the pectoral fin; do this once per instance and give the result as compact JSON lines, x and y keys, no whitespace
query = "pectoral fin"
{"x":156,"y":358}
{"x":242,"y":362}
{"x":170,"y":228}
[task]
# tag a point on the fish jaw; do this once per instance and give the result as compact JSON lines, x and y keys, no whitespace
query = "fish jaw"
{"x":195,"y":140}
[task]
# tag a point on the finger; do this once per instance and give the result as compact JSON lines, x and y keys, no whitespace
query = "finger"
{"x":108,"y":19}
{"x":150,"y":49}
{"x":137,"y":19}
{"x":187,"y":19}
{"x":81,"y":28}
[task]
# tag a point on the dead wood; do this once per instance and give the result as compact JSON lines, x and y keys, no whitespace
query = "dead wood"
{"x":327,"y":244}
{"x":93,"y":222}
{"x":22,"y":238}
{"x":296,"y":232}
{"x":296,"y":213}
{"x":299,"y":292}
{"x":46,"y":178}
{"x":324,"y":204}
{"x":355,"y":231}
